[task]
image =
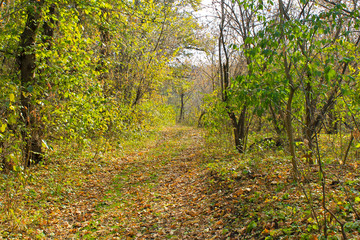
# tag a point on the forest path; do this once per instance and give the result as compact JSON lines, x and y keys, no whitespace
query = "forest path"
{"x":172,"y":187}
{"x":158,"y":189}
{"x":158,"y":192}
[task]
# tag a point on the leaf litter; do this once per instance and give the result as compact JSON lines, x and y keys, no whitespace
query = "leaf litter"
{"x":176,"y":187}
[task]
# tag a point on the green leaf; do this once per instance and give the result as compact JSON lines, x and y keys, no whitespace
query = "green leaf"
{"x":30,"y":88}
{"x":234,"y":46}
{"x":331,"y":74}
{"x":248,"y":40}
{"x":347,"y":60}
{"x":285,"y":196}
{"x":251,"y":226}
{"x":12,"y":119}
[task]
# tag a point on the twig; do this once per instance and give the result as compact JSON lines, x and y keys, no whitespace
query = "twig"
{"x":348,"y":149}
{"x":322,"y":183}
{"x":309,"y":200}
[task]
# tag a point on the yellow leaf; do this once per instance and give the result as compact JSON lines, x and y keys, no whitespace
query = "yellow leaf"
{"x":3,"y":127}
{"x":12,"y":97}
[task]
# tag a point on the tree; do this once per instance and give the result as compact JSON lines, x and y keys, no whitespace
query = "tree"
{"x":32,"y":133}
{"x":237,"y":29}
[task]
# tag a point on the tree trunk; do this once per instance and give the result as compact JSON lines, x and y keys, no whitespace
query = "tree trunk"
{"x":225,"y":83}
{"x":239,"y":129}
{"x":32,"y":131}
{"x":276,"y":122}
{"x":200,"y":118}
{"x":309,"y":112}
{"x":332,"y":122}
{"x":290,"y":133}
{"x":181,"y":117}
{"x":288,"y":114}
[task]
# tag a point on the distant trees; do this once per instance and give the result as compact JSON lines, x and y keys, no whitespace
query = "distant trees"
{"x":81,"y":69}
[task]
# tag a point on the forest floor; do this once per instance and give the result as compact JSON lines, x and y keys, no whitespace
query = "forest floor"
{"x":173,"y":187}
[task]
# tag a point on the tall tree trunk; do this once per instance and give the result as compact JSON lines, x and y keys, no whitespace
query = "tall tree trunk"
{"x":200,"y":118}
{"x":288,"y":114}
{"x":237,"y":124}
{"x":239,"y":129}
{"x":32,"y":131}
{"x":181,"y":117}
